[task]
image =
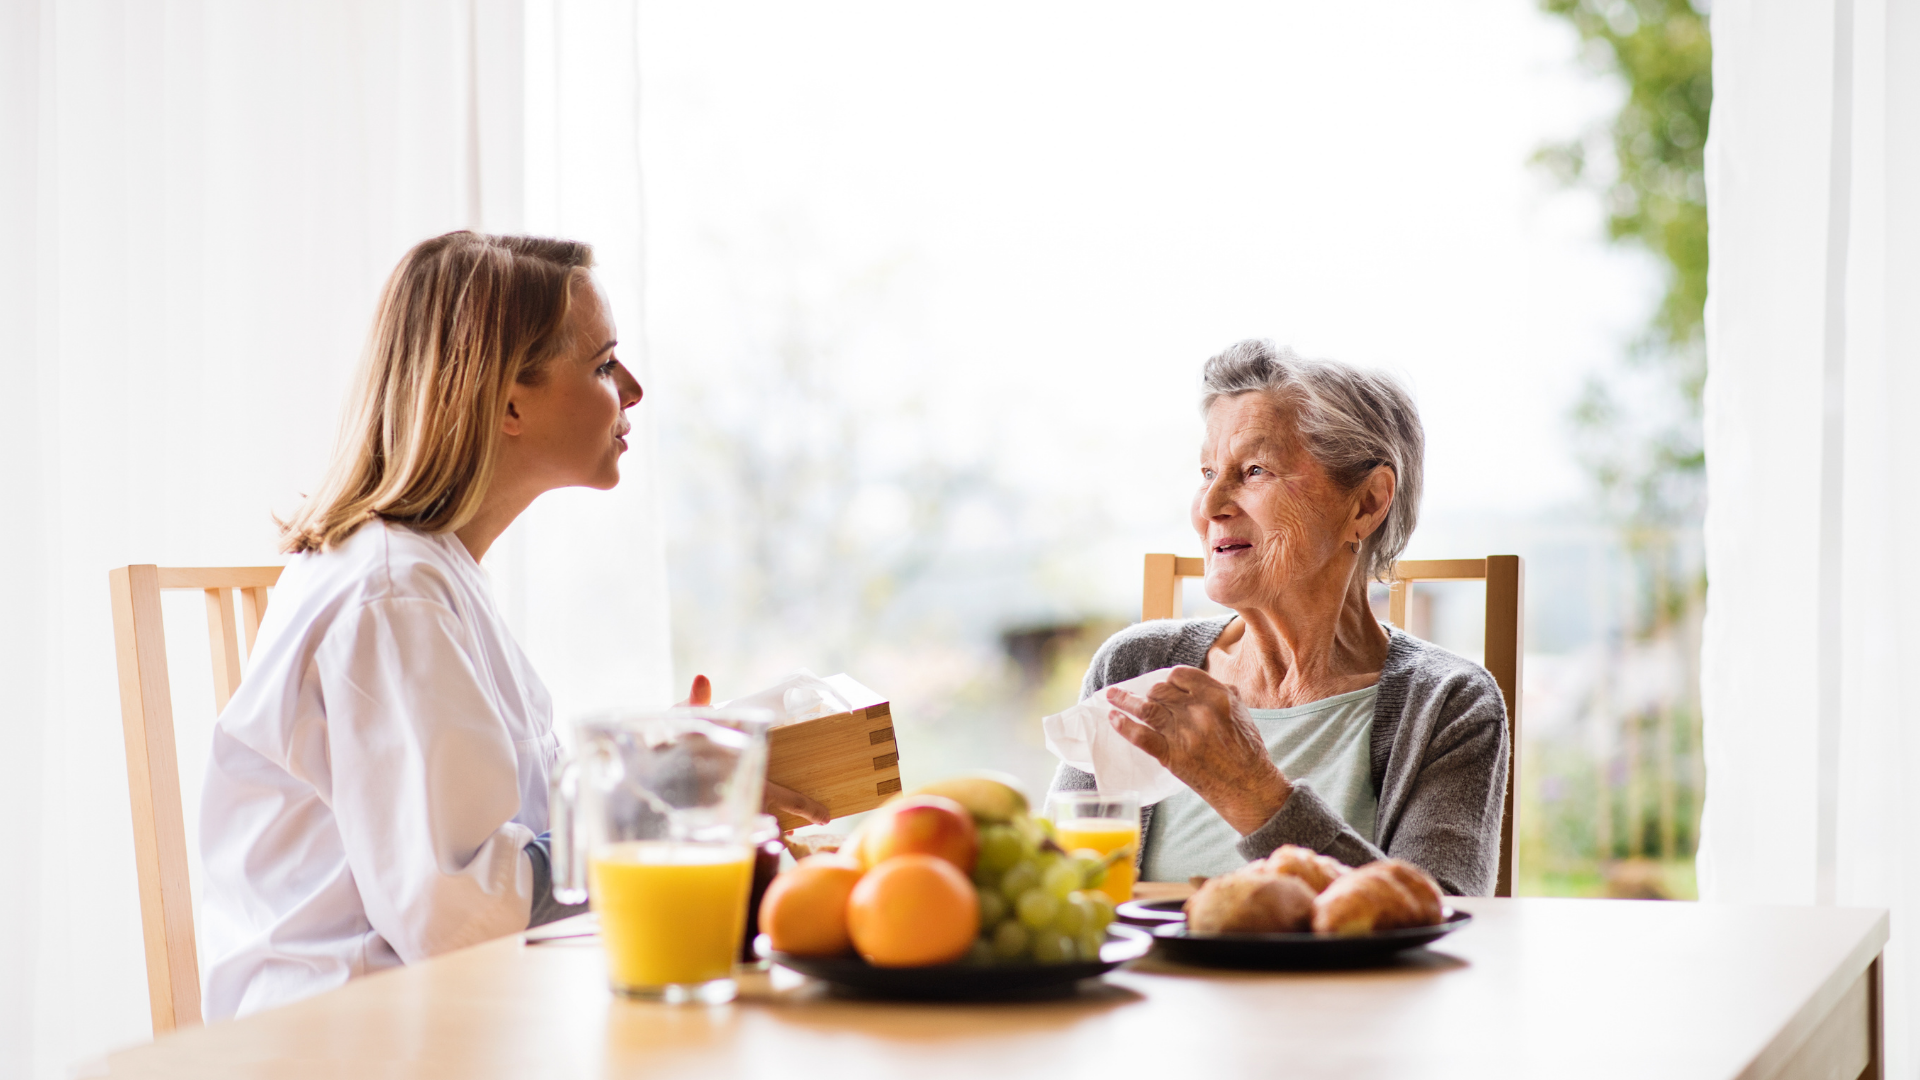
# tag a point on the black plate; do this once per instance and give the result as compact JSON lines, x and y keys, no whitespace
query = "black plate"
{"x":1151,"y":912}
{"x":952,"y":982}
{"x":1279,"y":951}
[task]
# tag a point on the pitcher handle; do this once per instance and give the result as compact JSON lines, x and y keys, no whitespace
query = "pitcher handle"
{"x":563,"y":821}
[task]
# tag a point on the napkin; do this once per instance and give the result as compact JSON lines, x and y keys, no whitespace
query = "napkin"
{"x":805,"y":696}
{"x":1082,"y":737}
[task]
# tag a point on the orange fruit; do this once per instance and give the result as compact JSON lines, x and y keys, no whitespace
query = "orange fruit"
{"x":805,"y":909}
{"x":913,"y":910}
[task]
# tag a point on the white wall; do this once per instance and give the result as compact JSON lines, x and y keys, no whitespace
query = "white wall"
{"x":198,"y":203}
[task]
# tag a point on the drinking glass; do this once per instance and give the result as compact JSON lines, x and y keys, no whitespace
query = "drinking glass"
{"x":1103,"y":822}
{"x":767,"y":849}
{"x":653,"y":817}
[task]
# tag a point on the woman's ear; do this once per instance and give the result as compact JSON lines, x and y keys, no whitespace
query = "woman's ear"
{"x":1375,"y":499}
{"x":511,"y":423}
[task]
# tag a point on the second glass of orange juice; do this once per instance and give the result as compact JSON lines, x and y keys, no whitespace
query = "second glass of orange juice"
{"x":1103,"y":822}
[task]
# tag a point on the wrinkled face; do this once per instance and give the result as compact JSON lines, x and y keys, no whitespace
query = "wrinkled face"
{"x":573,"y":424}
{"x":1270,"y":516}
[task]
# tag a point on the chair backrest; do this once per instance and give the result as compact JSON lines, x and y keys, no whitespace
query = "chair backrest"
{"x":1506,"y":580}
{"x":153,"y":771}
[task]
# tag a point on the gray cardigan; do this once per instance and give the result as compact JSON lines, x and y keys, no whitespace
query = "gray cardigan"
{"x":1439,"y":757}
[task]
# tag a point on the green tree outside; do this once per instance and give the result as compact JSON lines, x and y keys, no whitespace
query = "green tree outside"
{"x":1630,"y":826}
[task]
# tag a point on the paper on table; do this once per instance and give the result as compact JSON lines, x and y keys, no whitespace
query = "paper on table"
{"x":1083,"y":738}
{"x":805,"y":696}
{"x":853,"y":693}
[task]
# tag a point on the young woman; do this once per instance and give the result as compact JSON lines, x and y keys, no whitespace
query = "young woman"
{"x":377,"y":792}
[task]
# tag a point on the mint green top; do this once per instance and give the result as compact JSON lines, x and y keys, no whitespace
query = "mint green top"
{"x":1325,"y":744}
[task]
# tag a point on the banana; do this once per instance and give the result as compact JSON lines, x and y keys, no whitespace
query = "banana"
{"x":992,"y":798}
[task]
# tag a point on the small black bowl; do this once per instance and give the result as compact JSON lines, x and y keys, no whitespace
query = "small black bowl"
{"x":965,"y":982}
{"x":1271,"y":952}
{"x":1151,"y":912}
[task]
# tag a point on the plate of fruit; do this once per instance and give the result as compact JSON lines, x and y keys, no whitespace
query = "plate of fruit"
{"x":952,"y":891}
{"x":1297,"y":909}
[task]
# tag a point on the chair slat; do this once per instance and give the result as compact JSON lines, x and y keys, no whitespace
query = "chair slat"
{"x":153,"y":781}
{"x":1505,"y":645}
{"x":1160,"y":588}
{"x":253,"y":606}
{"x":1440,"y":569}
{"x":218,"y":577}
{"x":223,"y":642}
{"x":1399,"y":593}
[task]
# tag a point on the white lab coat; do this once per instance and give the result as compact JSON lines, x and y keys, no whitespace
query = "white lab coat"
{"x":376,"y":778}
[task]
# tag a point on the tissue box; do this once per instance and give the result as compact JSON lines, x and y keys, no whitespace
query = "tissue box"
{"x":849,"y":760}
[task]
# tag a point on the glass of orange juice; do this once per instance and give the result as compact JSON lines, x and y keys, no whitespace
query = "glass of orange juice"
{"x":1103,"y":822}
{"x":653,"y":820}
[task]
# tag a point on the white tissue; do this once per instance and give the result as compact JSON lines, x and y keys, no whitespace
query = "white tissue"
{"x":805,"y":696}
{"x":1083,"y":738}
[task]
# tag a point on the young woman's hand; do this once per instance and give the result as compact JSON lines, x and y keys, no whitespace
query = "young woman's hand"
{"x":777,"y":799}
{"x":780,"y":800}
{"x":702,"y":692}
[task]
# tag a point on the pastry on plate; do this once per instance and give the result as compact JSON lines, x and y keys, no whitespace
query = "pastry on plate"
{"x":1250,"y":901}
{"x":1384,"y":895}
{"x":1316,"y":870}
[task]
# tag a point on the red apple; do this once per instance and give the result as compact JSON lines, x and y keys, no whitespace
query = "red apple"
{"x":921,"y":825}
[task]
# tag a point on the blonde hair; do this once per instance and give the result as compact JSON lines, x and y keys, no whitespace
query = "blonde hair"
{"x":463,"y":318}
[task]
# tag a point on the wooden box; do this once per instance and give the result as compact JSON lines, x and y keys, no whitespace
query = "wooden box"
{"x":849,"y":760}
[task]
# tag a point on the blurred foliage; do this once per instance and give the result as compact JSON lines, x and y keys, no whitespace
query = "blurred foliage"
{"x":1645,"y":448}
{"x":1617,"y":815}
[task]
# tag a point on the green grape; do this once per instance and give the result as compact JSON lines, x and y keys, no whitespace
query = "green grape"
{"x":1010,"y":940}
{"x":1016,"y":881}
{"x":993,"y":908}
{"x":1000,"y":847}
{"x":1090,"y":942}
{"x":1062,"y":878}
{"x":980,"y":953}
{"x":1037,"y":907}
{"x":1053,"y":947}
{"x":1102,"y":908}
{"x":1075,"y":915}
{"x":1092,"y":871}
{"x":1044,"y":863}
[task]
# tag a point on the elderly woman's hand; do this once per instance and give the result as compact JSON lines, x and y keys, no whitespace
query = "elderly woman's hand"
{"x":1195,"y":725}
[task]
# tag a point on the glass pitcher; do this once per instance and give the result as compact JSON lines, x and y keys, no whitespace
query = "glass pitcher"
{"x":653,"y":818}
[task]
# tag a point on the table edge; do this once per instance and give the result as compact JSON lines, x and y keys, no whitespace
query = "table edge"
{"x":1781,"y":1048}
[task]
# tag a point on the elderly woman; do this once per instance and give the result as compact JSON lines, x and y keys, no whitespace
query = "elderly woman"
{"x":1300,"y":719}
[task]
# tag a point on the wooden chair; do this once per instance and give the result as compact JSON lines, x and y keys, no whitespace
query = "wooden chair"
{"x":153,"y":772}
{"x":1505,"y":576}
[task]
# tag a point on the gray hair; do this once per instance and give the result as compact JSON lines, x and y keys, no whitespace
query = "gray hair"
{"x":1352,"y":421}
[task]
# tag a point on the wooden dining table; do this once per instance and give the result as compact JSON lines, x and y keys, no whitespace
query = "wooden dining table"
{"x":1530,"y":988}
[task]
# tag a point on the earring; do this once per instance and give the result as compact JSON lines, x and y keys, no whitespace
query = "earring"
{"x":1353,"y":546}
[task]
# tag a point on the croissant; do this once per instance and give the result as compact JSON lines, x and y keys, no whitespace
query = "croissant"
{"x":1425,"y":890}
{"x":1316,"y":870}
{"x":1384,"y":895}
{"x":1250,"y":901}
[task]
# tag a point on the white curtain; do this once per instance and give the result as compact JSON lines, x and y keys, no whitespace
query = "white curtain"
{"x":198,"y":203}
{"x":1813,"y":324}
